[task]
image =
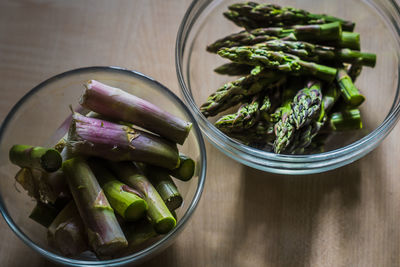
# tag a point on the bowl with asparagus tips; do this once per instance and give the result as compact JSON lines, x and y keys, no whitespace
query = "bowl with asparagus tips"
{"x":116,"y":180}
{"x":290,"y":89}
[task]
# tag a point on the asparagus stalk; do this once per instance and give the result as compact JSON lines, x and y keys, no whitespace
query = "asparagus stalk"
{"x":317,"y":53}
{"x":233,"y":92}
{"x":349,"y":92}
{"x":104,"y":233}
{"x":104,"y":139}
{"x":260,"y":135}
{"x":233,"y":69}
{"x":246,"y":116}
{"x":277,"y":61}
{"x":248,"y":38}
{"x":186,"y":168}
{"x":67,"y":232}
{"x":165,"y":186}
{"x":250,"y":14}
{"x":126,"y":201}
{"x":307,"y":103}
{"x":120,"y":105}
{"x":44,"y":214}
{"x":45,"y":159}
{"x":160,"y":216}
{"x":346,"y":120}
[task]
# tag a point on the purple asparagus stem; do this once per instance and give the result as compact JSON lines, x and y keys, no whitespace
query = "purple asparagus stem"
{"x":120,"y":105}
{"x":117,"y":142}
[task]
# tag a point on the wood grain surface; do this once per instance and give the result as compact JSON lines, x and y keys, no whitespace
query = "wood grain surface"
{"x":346,"y":217}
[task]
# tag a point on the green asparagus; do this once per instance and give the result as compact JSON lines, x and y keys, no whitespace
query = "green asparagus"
{"x":251,"y":14}
{"x":277,"y":61}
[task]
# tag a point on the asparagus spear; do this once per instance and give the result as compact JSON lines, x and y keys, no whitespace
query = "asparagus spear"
{"x":346,"y":120}
{"x":104,"y":233}
{"x":246,"y":116}
{"x":261,"y":15}
{"x":349,"y":92}
{"x":277,"y":61}
{"x":126,"y":201}
{"x":116,"y":142}
{"x":233,"y":69}
{"x":317,"y":53}
{"x":232,"y":93}
{"x":45,"y":159}
{"x":120,"y":105}
{"x":186,"y":168}
{"x":160,"y":216}
{"x":306,"y":103}
{"x":248,"y":38}
{"x":165,"y":186}
{"x":67,"y":232}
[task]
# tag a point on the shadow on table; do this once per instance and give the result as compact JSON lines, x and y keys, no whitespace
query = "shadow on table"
{"x":280,"y":213}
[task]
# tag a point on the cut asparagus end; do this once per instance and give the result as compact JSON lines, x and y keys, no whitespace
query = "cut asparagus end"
{"x":67,"y":233}
{"x":158,"y":212}
{"x":349,"y":92}
{"x":115,"y":142}
{"x":164,"y":225}
{"x":45,"y":159}
{"x":353,"y":56}
{"x":346,"y":120}
{"x":44,"y":214}
{"x":120,"y":105}
{"x":350,"y":40}
{"x":104,"y":233}
{"x":136,"y":210}
{"x":126,"y":201}
{"x":185,"y":171}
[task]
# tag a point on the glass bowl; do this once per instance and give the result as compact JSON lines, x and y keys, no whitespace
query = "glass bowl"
{"x":376,"y":20}
{"x":34,"y":120}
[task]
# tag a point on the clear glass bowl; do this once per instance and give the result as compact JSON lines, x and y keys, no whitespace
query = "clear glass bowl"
{"x":376,"y":20}
{"x":34,"y":119}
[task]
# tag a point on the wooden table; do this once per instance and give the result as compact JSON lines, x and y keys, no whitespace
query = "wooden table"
{"x":347,"y":217}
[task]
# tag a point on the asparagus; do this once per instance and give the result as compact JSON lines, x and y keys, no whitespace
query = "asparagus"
{"x":306,"y":103}
{"x":349,"y":92}
{"x":45,"y":159}
{"x":250,"y":14}
{"x":246,"y":116}
{"x":346,"y":120}
{"x":186,"y":168}
{"x":165,"y":186}
{"x":277,"y":61}
{"x":317,"y":53}
{"x":126,"y":201}
{"x":44,"y":214}
{"x":25,"y":178}
{"x":233,"y":69}
{"x":160,"y":216}
{"x":67,"y":232}
{"x":120,"y":105}
{"x":248,"y":38}
{"x":104,"y":139}
{"x":233,"y":92}
{"x":104,"y":233}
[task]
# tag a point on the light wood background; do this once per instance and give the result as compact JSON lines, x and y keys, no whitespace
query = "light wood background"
{"x":346,"y":217}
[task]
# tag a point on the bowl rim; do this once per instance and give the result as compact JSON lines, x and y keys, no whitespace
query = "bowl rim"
{"x":268,"y":161}
{"x":158,"y":245}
